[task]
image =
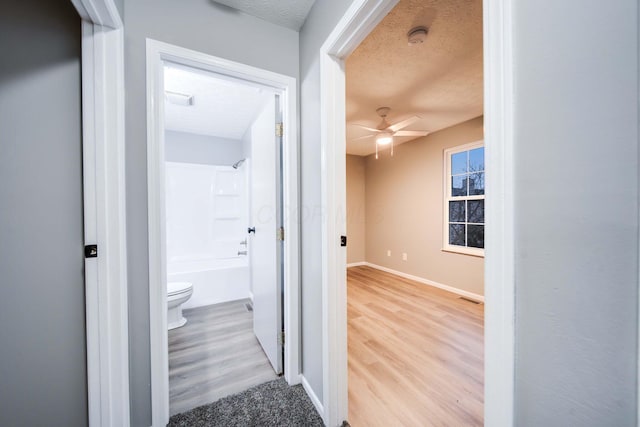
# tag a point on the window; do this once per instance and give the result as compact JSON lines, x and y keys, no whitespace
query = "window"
{"x":464,"y":199}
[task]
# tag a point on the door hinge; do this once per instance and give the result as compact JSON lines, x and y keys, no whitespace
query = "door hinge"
{"x":279,"y":129}
{"x":280,"y":234}
{"x":281,"y":338}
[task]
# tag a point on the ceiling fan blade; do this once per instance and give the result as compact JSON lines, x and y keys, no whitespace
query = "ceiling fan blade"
{"x":365,"y":127}
{"x":362,"y":137}
{"x":411,"y":133}
{"x":403,"y":124}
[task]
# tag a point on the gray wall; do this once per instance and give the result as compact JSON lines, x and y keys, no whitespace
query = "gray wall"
{"x":201,"y":149}
{"x":42,"y":355}
{"x":120,"y":7}
{"x":576,"y":212}
{"x":203,"y":26}
{"x":324,"y":16}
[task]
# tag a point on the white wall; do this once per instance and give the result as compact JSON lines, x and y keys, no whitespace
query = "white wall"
{"x":324,"y":16}
{"x":207,"y":27}
{"x":576,"y":168}
{"x":186,"y":147}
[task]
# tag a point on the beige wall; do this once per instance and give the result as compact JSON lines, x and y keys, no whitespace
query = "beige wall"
{"x":355,"y":209}
{"x":404,"y":210}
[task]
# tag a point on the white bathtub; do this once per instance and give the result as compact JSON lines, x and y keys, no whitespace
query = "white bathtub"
{"x":214,"y":280}
{"x":206,"y":225}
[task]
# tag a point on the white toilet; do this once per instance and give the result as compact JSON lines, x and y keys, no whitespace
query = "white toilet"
{"x":177,"y":294}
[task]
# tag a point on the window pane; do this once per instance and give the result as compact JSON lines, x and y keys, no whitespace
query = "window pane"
{"x":456,"y":234}
{"x":457,"y":212}
{"x":459,"y":163}
{"x":476,"y":183}
{"x":476,"y":211}
{"x":475,"y":238}
{"x":476,"y":159}
{"x":459,"y":185}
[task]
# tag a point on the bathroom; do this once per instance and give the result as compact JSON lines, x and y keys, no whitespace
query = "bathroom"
{"x":221,"y":175}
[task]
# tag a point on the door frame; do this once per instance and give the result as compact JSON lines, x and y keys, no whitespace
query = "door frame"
{"x":157,"y":53}
{"x":103,"y":163}
{"x":361,"y":17}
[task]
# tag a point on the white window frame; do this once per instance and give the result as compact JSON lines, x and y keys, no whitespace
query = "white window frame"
{"x":448,"y":198}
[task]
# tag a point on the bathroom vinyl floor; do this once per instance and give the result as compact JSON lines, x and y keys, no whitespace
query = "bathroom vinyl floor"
{"x":214,"y":355}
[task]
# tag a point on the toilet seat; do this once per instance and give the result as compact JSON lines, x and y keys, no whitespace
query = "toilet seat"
{"x":175,"y":288}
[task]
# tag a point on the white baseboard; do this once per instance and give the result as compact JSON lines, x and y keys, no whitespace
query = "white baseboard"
{"x":314,"y":399}
{"x":356,"y":264}
{"x":466,"y":294}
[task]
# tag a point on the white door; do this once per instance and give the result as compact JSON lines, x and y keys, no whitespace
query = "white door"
{"x":264,"y":244}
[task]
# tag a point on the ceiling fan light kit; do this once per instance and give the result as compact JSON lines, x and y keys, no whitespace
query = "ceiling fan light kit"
{"x":378,"y":143}
{"x":385,"y":132}
{"x":384,"y":138}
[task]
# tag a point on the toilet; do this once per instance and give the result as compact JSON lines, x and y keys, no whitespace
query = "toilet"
{"x":177,"y":294}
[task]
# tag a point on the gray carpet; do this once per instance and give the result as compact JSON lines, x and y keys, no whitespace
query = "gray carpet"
{"x":270,"y":404}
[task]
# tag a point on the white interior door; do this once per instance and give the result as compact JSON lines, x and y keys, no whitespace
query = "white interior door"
{"x":264,"y":244}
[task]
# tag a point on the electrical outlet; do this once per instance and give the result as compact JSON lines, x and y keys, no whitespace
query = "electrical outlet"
{"x":404,"y":256}
{"x":388,"y":252}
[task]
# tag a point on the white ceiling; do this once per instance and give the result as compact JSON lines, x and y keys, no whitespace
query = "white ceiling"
{"x":221,"y":107}
{"x":440,"y":81}
{"x":286,"y":13}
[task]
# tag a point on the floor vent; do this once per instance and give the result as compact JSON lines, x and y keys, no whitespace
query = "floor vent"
{"x":470,"y":300}
{"x":248,"y":306}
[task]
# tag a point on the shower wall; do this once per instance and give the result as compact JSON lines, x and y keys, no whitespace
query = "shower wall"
{"x":206,"y":225}
{"x":202,"y":149}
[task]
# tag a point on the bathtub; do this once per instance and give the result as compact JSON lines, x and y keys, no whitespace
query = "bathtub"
{"x":214,"y":280}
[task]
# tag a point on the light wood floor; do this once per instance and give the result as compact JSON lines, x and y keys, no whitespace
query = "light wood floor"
{"x":214,"y":355}
{"x":415,"y":353}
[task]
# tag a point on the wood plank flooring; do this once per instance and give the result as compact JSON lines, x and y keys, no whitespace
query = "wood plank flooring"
{"x":214,"y":355}
{"x":416,"y":353}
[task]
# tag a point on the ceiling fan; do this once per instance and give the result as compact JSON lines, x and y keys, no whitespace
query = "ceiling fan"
{"x":385,"y":131}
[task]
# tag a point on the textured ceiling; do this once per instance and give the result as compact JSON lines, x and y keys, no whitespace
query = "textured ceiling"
{"x":286,"y":13}
{"x":221,"y":108}
{"x":439,"y":80}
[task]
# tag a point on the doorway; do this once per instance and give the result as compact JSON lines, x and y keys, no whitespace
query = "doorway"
{"x":241,"y":227}
{"x":223,"y":269}
{"x":415,"y":222}
{"x":357,"y":23}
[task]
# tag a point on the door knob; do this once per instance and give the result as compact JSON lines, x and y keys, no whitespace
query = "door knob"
{"x":251,"y":230}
